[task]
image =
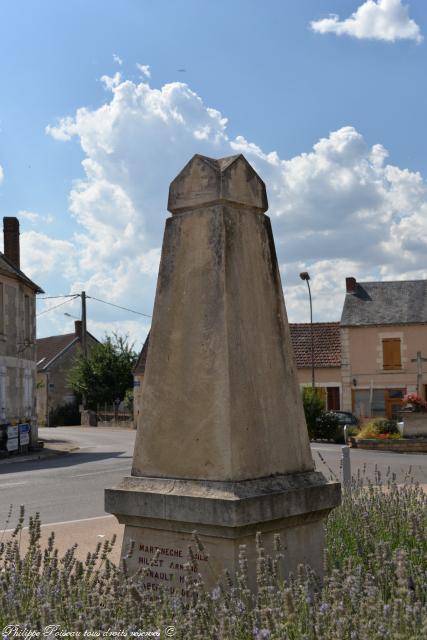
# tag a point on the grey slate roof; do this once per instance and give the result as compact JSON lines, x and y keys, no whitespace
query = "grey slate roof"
{"x":9,"y":269}
{"x":376,"y":303}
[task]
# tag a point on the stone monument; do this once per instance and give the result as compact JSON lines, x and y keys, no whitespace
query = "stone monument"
{"x":221,"y":445}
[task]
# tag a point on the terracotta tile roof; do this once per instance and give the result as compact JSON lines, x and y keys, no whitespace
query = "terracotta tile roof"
{"x":139,"y":369}
{"x":327,"y":344}
{"x":48,"y":348}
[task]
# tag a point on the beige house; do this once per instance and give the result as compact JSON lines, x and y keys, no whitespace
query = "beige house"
{"x":327,"y":359}
{"x":55,"y":357}
{"x":383,"y":345}
{"x":17,"y":336}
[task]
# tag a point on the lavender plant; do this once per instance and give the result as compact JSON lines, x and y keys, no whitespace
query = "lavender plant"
{"x":374,"y":587}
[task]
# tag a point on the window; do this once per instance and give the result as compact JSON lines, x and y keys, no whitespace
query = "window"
{"x":333,"y":395}
{"x":391,"y":354}
{"x":27,"y":319}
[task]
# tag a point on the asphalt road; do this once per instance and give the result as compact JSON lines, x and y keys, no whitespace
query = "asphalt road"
{"x":71,"y":487}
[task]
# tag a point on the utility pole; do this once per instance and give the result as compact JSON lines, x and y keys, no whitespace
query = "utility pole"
{"x":84,"y":337}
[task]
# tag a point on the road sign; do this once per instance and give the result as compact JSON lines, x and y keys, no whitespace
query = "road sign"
{"x":24,"y":434}
{"x":12,"y":444}
{"x":12,"y":431}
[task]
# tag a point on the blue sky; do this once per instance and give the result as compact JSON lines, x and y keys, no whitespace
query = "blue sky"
{"x":354,"y":205}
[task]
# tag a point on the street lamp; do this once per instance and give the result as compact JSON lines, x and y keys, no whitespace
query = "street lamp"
{"x":305,"y":276}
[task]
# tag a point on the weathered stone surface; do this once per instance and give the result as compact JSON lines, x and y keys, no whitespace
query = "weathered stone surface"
{"x":206,"y":182}
{"x":223,"y":504}
{"x":221,"y":398}
{"x":222,"y":445}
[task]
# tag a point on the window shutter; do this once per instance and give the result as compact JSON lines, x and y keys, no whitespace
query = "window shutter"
{"x":391,"y":353}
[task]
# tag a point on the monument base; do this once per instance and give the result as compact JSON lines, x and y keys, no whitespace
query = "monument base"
{"x":162,"y":514}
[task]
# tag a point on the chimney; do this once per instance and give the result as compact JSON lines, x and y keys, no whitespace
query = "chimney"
{"x":78,"y":329}
{"x":11,"y":240}
{"x":350,"y":285}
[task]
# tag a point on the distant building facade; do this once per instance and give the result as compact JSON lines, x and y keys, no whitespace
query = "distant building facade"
{"x":383,"y":328}
{"x":327,"y":359}
{"x":17,"y":335}
{"x":55,"y":358}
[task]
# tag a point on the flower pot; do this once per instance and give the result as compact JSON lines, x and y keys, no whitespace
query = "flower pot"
{"x":414,"y":424}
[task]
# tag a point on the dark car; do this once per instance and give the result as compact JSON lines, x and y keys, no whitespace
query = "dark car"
{"x":345,"y":417}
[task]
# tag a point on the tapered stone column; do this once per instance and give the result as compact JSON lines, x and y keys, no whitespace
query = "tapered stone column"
{"x":222,"y":444}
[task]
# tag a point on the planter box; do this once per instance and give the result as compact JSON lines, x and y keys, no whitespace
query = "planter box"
{"x":405,"y":445}
{"x":414,"y":424}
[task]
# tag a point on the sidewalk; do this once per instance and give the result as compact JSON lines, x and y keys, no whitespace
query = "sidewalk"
{"x":87,"y":533}
{"x":52,"y":447}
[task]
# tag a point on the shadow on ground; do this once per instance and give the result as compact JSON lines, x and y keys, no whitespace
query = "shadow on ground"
{"x":61,"y":460}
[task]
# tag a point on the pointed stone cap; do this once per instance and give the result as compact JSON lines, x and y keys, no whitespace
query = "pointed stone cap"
{"x":206,"y":182}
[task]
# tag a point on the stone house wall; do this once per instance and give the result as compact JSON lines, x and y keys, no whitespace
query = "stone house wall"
{"x":17,"y":353}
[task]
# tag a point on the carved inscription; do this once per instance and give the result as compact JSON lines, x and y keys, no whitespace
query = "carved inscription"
{"x":169,"y":568}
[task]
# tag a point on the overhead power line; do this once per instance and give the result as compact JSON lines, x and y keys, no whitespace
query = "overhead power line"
{"x":57,"y":305}
{"x":70,"y":295}
{"x":111,"y":304}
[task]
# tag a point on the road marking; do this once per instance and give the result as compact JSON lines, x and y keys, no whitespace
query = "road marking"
{"x":11,"y":484}
{"x":94,"y":473}
{"x":55,"y":524}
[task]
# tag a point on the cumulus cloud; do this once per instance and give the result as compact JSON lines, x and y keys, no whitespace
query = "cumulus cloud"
{"x":41,"y":255}
{"x":33,"y":217}
{"x":1,"y":174}
{"x":144,"y":69}
{"x":338,"y":209}
{"x":117,"y":59}
{"x":377,"y":20}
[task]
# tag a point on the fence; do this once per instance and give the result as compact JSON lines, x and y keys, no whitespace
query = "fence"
{"x":113,"y":413}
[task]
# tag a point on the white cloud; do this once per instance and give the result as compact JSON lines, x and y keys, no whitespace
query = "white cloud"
{"x":338,"y":209}
{"x":41,"y":255}
{"x":111,"y":81}
{"x":33,"y":217}
{"x":377,"y":20}
{"x":1,"y":174}
{"x":144,"y":69}
{"x":117,"y":59}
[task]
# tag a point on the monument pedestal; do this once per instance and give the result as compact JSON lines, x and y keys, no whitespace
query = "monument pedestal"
{"x":222,"y":446}
{"x":162,"y":513}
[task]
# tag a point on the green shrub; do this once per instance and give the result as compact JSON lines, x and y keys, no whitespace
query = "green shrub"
{"x":313,"y":407}
{"x":378,"y":427}
{"x":328,"y":427}
{"x":65,"y":415}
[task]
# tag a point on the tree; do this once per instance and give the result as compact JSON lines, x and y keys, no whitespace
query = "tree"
{"x":106,"y":374}
{"x":313,"y":407}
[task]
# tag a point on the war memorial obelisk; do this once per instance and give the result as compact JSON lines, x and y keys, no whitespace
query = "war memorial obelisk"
{"x":221,"y":445}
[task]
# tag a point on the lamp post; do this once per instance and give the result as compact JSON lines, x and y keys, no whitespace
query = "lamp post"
{"x":305,"y":276}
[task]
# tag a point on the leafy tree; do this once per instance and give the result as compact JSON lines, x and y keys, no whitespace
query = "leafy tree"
{"x":106,"y":374}
{"x":313,"y":407}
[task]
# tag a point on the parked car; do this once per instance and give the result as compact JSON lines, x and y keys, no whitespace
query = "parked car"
{"x":345,"y":417}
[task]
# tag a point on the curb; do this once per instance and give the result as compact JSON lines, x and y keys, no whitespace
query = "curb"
{"x":393,"y":446}
{"x":43,"y":454}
